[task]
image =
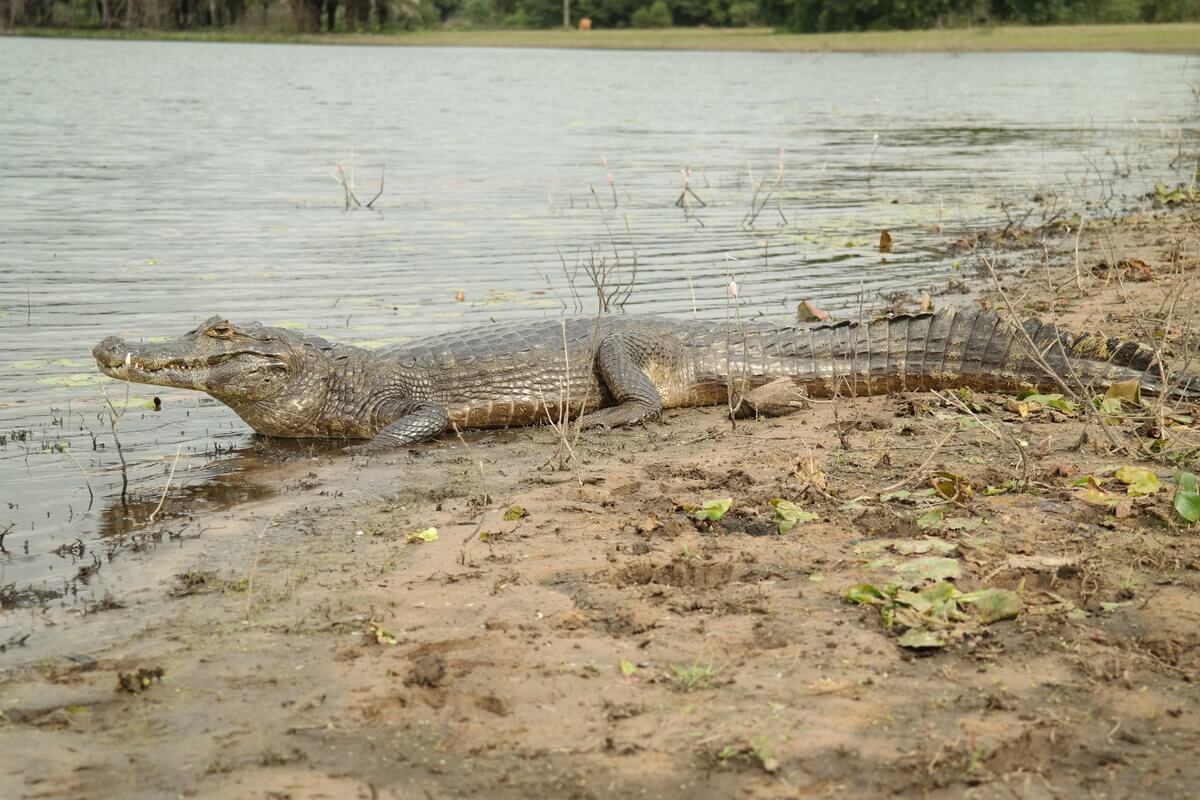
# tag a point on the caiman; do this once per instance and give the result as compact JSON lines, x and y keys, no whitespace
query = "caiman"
{"x":614,"y":370}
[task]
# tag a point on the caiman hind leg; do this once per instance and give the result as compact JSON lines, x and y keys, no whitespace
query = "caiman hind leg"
{"x":621,"y":361}
{"x":417,"y":421}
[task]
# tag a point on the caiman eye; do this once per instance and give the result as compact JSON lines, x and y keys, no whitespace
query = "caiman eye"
{"x":222,"y":330}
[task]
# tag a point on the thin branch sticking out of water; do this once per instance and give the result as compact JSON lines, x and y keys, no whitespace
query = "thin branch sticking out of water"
{"x":166,"y":488}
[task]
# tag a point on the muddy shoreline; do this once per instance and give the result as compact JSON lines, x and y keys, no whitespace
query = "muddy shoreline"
{"x":580,"y":634}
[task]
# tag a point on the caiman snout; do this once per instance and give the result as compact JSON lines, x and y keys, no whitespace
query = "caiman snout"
{"x":111,"y":352}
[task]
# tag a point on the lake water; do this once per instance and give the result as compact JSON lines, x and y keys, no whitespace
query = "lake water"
{"x":146,"y":186}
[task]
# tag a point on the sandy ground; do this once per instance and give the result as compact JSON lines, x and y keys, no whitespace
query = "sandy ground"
{"x":606,"y":643}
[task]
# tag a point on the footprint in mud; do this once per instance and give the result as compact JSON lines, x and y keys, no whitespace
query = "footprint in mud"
{"x":681,"y":571}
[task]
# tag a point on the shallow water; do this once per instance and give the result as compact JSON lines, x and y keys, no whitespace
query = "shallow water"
{"x":146,"y":186}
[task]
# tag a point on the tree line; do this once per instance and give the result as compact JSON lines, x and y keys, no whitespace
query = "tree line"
{"x":315,"y":16}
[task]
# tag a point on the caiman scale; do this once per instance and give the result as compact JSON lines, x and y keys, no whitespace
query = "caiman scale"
{"x":618,"y":370}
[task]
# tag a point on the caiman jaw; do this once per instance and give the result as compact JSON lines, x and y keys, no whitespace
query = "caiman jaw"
{"x":118,"y":359}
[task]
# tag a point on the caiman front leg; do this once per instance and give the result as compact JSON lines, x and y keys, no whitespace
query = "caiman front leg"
{"x":416,"y":421}
{"x":621,"y":361}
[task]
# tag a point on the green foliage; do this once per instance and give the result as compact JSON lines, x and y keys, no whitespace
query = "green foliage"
{"x":655,"y":15}
{"x":812,"y":16}
{"x":535,"y":14}
{"x":712,"y":511}
{"x":478,"y":12}
{"x":518,"y":19}
{"x":1187,"y":499}
{"x":742,"y":13}
{"x":798,"y":15}
{"x":788,"y":515}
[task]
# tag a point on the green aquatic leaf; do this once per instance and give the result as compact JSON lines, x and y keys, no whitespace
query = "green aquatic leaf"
{"x":76,"y":380}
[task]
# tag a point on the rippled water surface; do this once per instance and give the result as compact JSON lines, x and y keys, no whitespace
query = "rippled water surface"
{"x":147,"y":186}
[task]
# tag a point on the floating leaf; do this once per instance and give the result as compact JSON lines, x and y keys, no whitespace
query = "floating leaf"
{"x":994,"y":604}
{"x":885,"y":241}
{"x":427,"y":535}
{"x":712,"y":511}
{"x":1140,"y":480}
{"x":788,"y":515}
{"x":515,"y":513}
{"x":1187,"y":499}
{"x":628,"y":668}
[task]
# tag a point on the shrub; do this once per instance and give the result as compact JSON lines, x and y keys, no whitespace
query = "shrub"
{"x":743,"y":13}
{"x":517,"y":19}
{"x":477,"y":12}
{"x":655,"y":15}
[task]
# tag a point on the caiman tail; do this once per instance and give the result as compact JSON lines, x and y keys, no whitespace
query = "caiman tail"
{"x":951,"y":349}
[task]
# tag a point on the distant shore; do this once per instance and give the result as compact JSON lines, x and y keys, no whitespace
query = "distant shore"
{"x":1141,"y":38}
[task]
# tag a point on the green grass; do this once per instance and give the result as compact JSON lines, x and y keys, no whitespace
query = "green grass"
{"x":1172,"y":38}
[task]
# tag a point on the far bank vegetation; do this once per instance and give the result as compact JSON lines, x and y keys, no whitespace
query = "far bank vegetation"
{"x":331,"y":16}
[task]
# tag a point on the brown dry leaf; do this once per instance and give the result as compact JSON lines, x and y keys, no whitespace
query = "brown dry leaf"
{"x":1136,"y":269}
{"x":1093,"y":493}
{"x":1127,"y":392}
{"x":808,"y":311}
{"x":1021,"y":409}
{"x":951,"y":486}
{"x":809,"y":472}
{"x":885,"y":241}
{"x":650,"y":524}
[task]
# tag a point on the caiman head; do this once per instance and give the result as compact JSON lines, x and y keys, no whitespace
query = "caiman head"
{"x":275,"y":379}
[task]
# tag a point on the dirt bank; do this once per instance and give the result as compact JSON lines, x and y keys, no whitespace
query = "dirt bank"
{"x":580,"y":634}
